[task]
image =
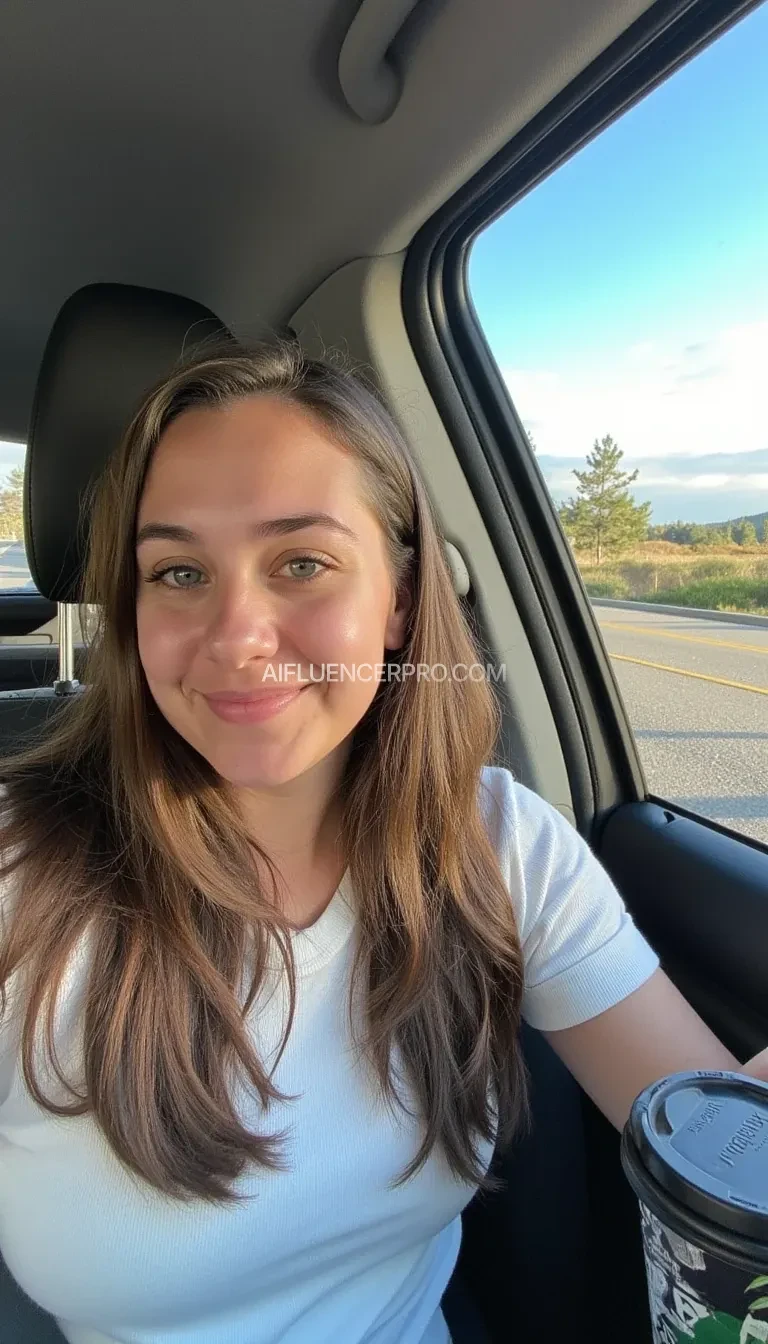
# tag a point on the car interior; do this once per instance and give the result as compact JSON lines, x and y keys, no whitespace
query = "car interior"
{"x":173,"y":173}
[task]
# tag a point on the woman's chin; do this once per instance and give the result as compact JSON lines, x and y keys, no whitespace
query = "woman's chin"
{"x":270,"y":769}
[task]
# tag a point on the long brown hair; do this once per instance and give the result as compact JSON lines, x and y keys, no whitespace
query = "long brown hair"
{"x":116,"y":831}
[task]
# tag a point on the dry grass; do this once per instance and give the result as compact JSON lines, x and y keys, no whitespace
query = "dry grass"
{"x":723,"y":578}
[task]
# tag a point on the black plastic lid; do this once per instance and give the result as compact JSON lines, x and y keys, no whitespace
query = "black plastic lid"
{"x":703,"y":1137}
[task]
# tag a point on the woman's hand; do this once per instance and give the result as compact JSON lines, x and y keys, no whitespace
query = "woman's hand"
{"x":650,"y":1034}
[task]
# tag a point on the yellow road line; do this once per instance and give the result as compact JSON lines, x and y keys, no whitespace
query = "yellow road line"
{"x":688,"y":639}
{"x":699,"y":676}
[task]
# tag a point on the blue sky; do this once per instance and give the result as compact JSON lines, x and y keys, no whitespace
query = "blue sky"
{"x":628,"y":293}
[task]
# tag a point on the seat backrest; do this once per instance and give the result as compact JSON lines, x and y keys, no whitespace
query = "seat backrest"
{"x":524,"y":1254}
{"x":21,"y":1320}
{"x":25,"y":714}
{"x":108,"y":346}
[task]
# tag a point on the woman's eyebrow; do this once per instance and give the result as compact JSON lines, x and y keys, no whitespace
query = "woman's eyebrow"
{"x":164,"y":532}
{"x":270,"y":527}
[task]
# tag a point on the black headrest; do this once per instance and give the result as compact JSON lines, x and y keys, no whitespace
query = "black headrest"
{"x":108,"y":346}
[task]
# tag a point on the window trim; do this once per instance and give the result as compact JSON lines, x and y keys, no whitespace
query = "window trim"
{"x":600,"y":751}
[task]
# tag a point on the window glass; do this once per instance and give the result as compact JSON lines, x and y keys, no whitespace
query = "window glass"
{"x":625,"y":299}
{"x":14,"y":567}
{"x":14,"y":570}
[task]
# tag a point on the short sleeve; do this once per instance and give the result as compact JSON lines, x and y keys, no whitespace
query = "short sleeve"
{"x":582,"y":951}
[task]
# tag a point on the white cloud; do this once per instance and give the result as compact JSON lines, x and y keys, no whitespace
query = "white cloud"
{"x":657,"y":401}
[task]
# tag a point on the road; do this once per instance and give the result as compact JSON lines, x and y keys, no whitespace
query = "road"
{"x":14,"y":570}
{"x":696,"y":693}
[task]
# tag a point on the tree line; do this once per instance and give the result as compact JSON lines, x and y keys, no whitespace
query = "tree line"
{"x":11,"y":506}
{"x":603,"y":518}
{"x":743,"y":532}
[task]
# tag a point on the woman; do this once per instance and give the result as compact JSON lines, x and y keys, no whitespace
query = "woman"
{"x":270,"y":917}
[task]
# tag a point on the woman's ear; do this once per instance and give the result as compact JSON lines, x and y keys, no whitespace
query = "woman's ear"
{"x":397,"y":621}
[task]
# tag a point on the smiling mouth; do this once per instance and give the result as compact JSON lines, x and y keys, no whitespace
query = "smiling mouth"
{"x":255,"y":705}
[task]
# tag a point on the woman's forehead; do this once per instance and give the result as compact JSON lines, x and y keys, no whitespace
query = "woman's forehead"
{"x":254,"y":428}
{"x":256,"y":444}
{"x":249,"y":464}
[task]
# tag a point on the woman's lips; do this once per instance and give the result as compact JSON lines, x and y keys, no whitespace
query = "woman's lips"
{"x":253,"y":706}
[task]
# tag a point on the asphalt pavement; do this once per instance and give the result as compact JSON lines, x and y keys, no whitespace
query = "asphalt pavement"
{"x":696,"y":693}
{"x":14,"y":570}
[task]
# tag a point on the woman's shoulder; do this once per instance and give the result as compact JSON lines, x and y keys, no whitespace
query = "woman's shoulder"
{"x":581,"y":949}
{"x":518,"y":817}
{"x":542,"y":856}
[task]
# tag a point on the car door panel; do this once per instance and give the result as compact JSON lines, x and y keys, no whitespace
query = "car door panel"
{"x":701,"y":897}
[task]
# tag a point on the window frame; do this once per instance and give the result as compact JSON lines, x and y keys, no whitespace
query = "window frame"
{"x":598,"y":743}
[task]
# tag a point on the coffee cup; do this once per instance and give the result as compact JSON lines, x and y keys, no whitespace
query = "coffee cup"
{"x":695,"y":1151}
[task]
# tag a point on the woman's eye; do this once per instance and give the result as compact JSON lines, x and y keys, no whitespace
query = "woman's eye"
{"x":179,"y":576}
{"x":299,"y":566}
{"x":303,"y":568}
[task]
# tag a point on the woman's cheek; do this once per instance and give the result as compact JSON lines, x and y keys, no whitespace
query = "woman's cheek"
{"x":164,"y":643}
{"x":342,"y":629}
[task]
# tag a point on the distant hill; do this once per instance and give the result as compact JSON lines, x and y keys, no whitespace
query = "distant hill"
{"x":709,"y":533}
{"x":757,"y":518}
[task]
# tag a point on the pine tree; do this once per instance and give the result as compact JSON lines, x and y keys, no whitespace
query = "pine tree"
{"x":604,"y":517}
{"x":748,"y":534}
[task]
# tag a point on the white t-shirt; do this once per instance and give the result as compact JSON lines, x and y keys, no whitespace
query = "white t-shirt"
{"x":326,"y":1252}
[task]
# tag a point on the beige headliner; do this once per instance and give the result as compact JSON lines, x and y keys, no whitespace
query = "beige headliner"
{"x":204,"y":146}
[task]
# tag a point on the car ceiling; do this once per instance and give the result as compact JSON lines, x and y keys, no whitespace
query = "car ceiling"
{"x":206,"y":148}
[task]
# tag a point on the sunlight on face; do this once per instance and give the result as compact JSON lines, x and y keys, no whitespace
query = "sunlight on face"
{"x":240,"y":613}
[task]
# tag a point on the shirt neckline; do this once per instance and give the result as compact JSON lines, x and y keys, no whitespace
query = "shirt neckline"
{"x":314,"y":946}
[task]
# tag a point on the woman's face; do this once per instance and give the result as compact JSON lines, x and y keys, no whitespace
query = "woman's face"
{"x":263,"y":585}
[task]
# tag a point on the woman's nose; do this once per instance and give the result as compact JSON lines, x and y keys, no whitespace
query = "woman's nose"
{"x":243,"y":625}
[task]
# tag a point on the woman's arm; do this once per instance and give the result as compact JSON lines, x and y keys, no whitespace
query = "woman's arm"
{"x":757,"y":1066}
{"x":586,"y":963}
{"x":653,"y":1032}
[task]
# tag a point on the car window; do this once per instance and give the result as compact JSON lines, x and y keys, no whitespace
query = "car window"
{"x":14,"y":570}
{"x":625,"y":300}
{"x":14,"y":566}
